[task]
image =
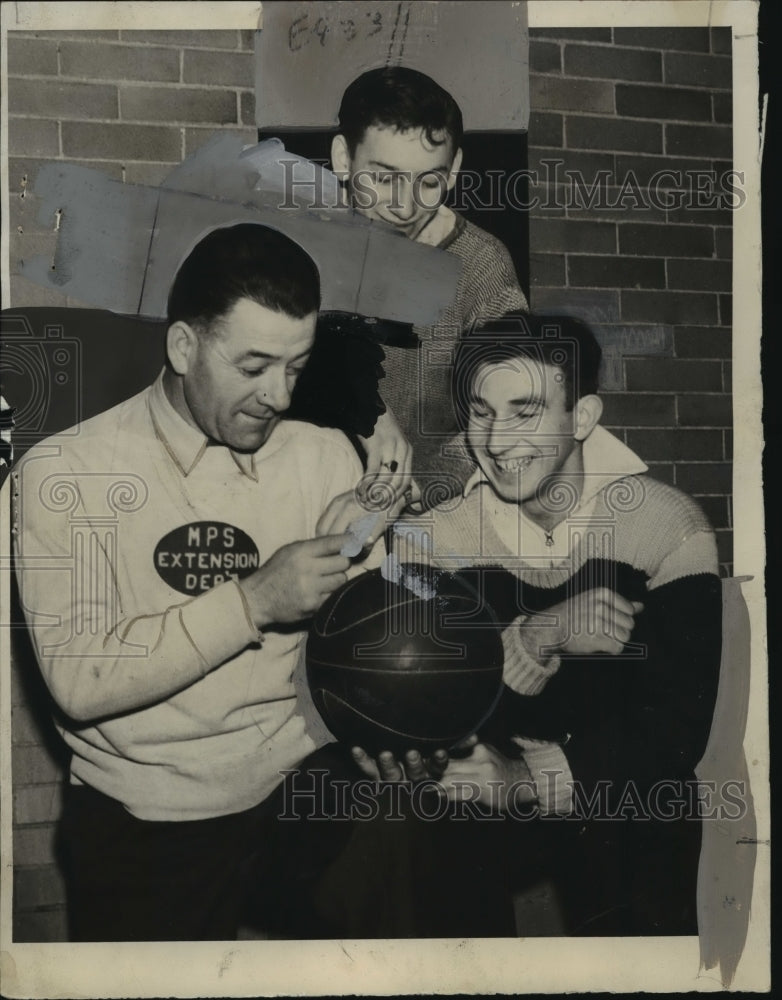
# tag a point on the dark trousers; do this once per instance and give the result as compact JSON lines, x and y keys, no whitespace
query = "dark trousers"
{"x":320,"y":874}
{"x":415,"y":878}
{"x":457,"y":877}
{"x":630,"y":877}
{"x":134,"y":880}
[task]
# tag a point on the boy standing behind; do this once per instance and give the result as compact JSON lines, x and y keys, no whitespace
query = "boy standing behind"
{"x":398,"y":151}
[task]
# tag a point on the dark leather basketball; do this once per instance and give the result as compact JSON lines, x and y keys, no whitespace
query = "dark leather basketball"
{"x":409,"y":664}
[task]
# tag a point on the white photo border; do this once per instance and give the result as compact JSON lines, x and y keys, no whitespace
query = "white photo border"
{"x":476,"y":966}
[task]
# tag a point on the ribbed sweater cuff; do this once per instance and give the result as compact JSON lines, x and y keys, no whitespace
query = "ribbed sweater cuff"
{"x":551,"y":773}
{"x":524,"y":673}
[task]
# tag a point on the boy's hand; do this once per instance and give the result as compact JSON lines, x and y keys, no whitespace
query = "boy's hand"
{"x":595,"y":621}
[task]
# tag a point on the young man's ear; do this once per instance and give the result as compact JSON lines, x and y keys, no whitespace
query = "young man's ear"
{"x":340,"y":157}
{"x":180,"y":345}
{"x":589,"y":409}
{"x":455,"y":168}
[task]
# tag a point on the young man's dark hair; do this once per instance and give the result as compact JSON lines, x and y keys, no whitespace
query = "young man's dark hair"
{"x":399,"y":98}
{"x":244,"y":261}
{"x":562,"y":342}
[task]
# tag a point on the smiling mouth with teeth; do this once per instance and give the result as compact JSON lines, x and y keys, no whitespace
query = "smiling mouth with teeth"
{"x":513,"y":464}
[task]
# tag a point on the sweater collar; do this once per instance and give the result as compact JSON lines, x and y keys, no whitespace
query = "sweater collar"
{"x":606,"y":459}
{"x":185,"y":444}
{"x":442,"y":228}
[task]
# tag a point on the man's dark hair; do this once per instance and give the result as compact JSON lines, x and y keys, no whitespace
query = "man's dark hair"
{"x":399,"y":98}
{"x":244,"y":261}
{"x":562,"y":342}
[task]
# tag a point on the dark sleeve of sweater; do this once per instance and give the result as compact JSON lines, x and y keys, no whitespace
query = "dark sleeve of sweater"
{"x":641,"y":718}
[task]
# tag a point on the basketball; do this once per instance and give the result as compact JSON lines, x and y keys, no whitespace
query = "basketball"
{"x":410,"y":663}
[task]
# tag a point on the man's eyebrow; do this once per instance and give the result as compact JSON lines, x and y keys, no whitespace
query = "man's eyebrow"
{"x":527,"y":401}
{"x":253,"y":352}
{"x":520,"y":401}
{"x":400,"y":170}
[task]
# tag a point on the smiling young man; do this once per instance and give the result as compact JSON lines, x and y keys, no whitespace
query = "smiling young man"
{"x":607,"y":583}
{"x":398,"y":153}
{"x":169,"y":550}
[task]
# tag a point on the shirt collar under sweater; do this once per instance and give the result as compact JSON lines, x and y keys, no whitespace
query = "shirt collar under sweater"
{"x":184,"y":443}
{"x":606,"y":459}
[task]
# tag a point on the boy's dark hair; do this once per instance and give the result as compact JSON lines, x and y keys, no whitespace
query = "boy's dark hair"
{"x":243,"y":261}
{"x":562,"y":342}
{"x":399,"y":98}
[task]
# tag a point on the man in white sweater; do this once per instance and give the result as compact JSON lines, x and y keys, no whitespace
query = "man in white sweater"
{"x":168,"y":551}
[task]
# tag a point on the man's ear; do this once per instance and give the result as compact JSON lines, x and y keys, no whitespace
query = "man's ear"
{"x":455,"y":168}
{"x":180,"y":346}
{"x":340,"y":157}
{"x":589,"y":409}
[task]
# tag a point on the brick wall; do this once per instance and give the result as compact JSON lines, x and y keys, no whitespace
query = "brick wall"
{"x":133,"y":104}
{"x":130,"y":103}
{"x":655,"y":281}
